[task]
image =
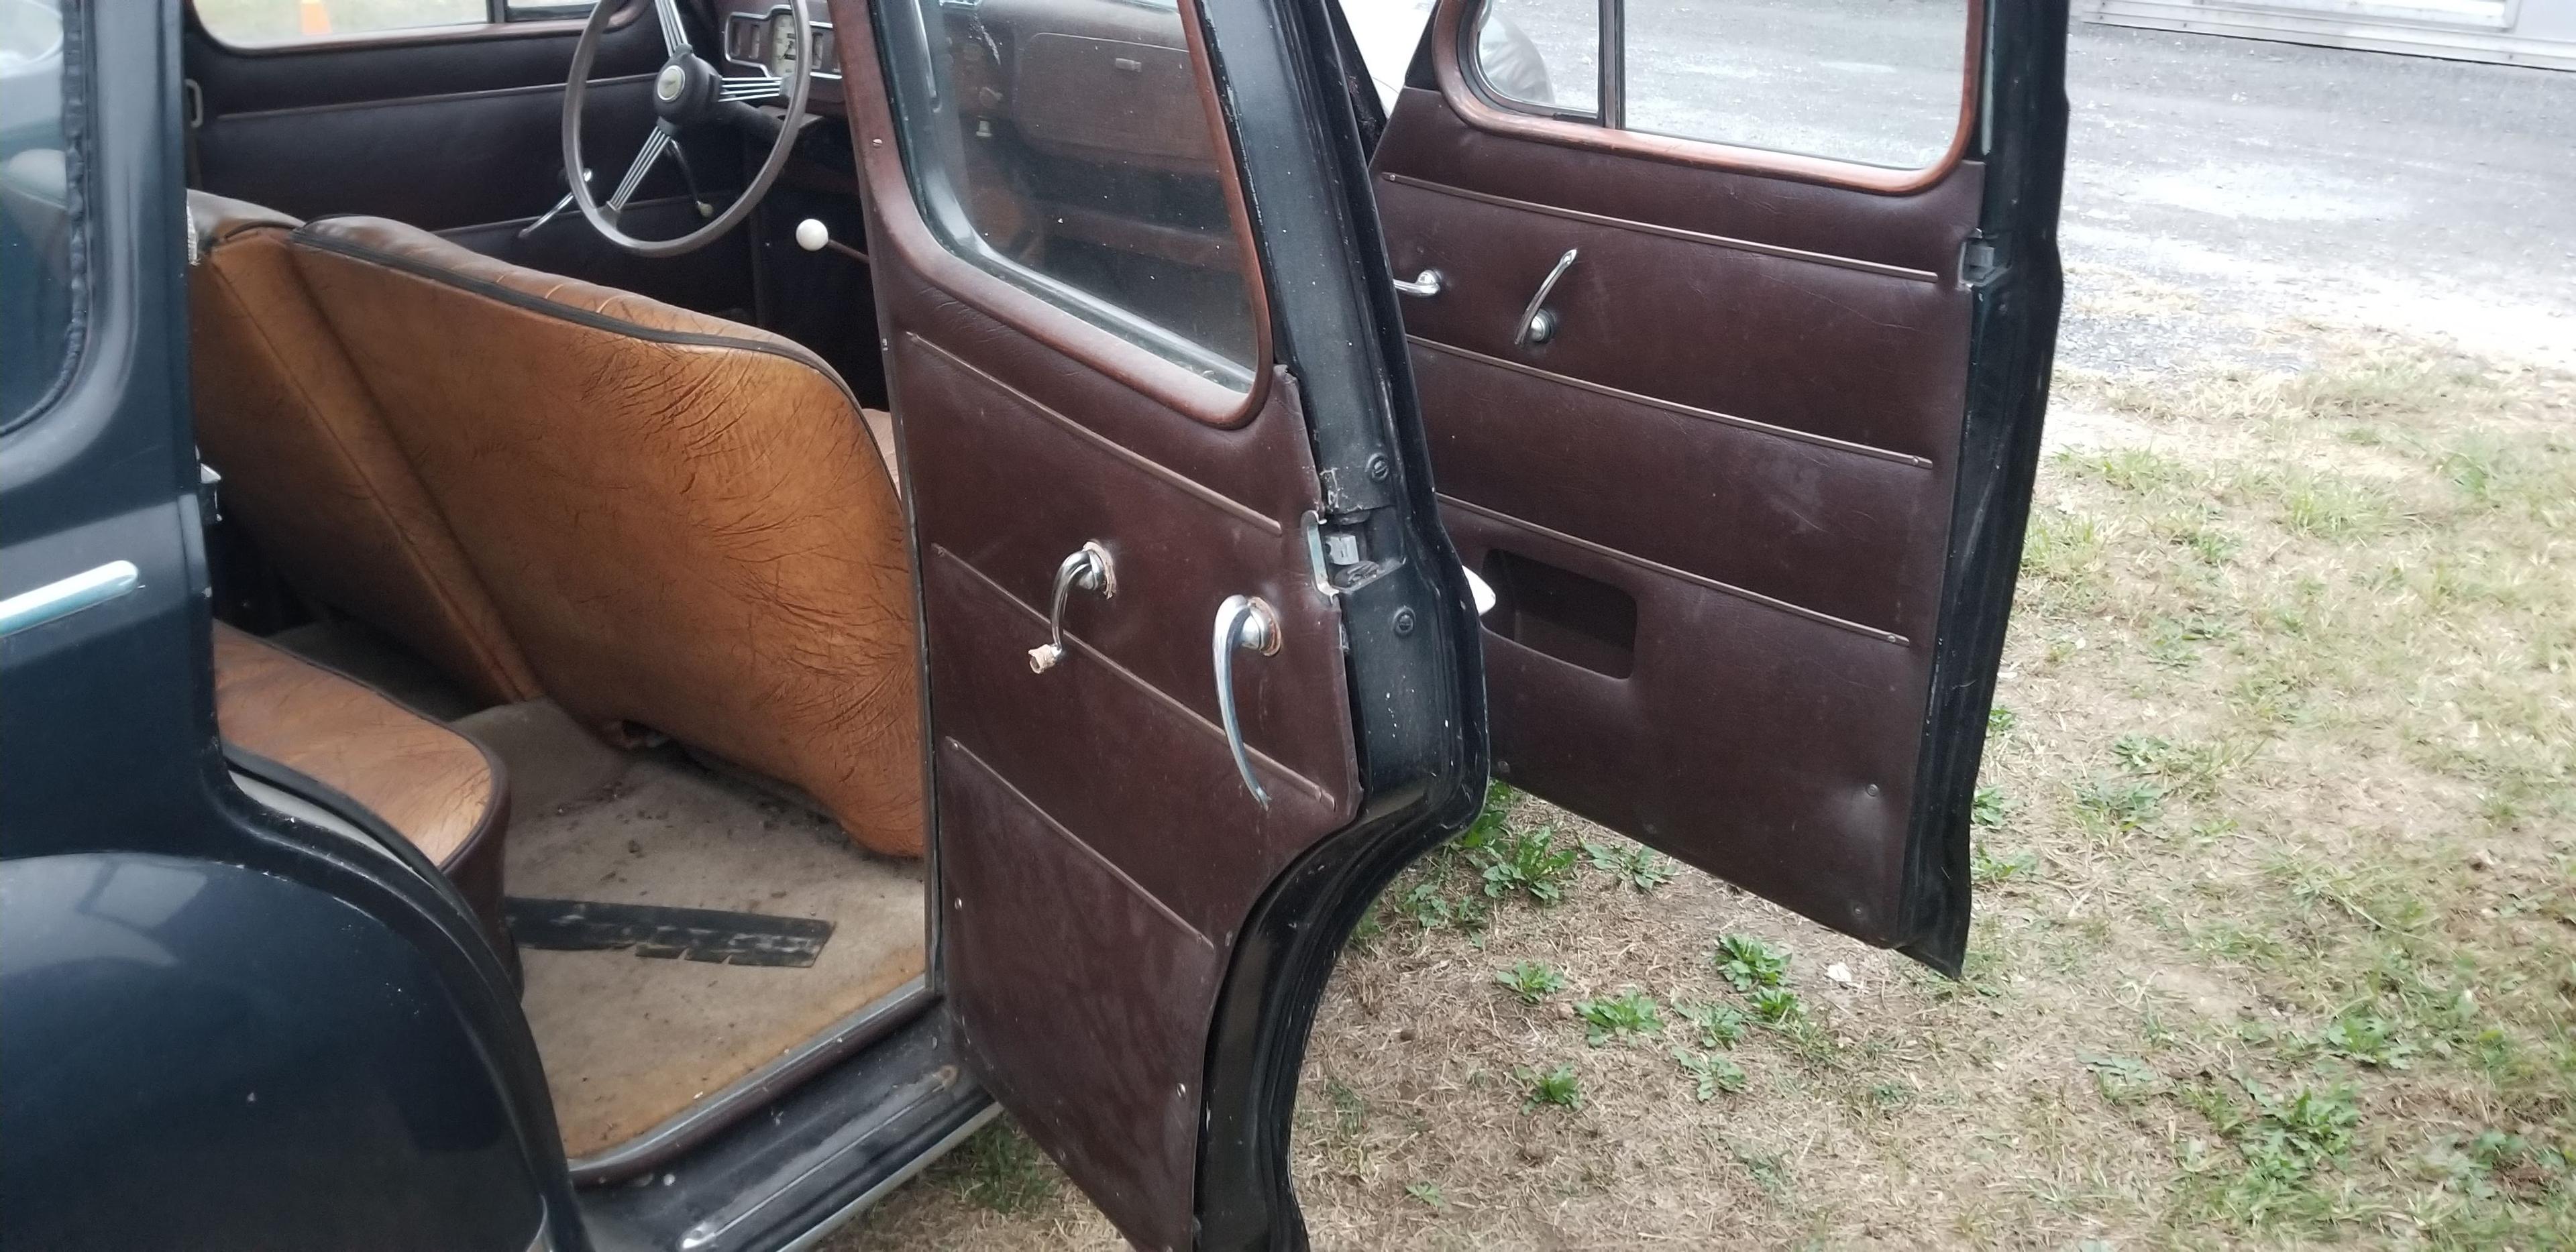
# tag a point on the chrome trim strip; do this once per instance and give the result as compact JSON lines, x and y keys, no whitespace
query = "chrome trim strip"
{"x":690,"y":1126}
{"x":867,"y":1199}
{"x":1670,"y":232}
{"x":1674,"y":406}
{"x":65,"y":596}
{"x":1662,"y":570}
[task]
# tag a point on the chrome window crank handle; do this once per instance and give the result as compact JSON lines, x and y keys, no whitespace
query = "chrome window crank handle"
{"x":1089,"y":568}
{"x":1245,"y":624}
{"x":1538,"y":325}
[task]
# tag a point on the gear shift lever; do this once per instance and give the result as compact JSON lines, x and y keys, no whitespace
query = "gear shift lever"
{"x":813,"y":236}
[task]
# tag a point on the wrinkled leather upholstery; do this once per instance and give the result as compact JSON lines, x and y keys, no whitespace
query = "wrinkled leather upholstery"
{"x":431,"y":784}
{"x":310,"y":468}
{"x":683,"y":521}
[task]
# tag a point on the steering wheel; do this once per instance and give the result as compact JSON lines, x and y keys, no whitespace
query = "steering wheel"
{"x":686,"y":92}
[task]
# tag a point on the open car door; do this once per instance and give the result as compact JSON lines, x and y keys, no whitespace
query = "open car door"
{"x":1732,"y":341}
{"x":1198,"y":656}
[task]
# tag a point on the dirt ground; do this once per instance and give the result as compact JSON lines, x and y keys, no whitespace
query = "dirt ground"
{"x":2276,"y":864}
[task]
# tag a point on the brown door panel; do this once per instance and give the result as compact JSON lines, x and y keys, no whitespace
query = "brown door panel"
{"x":1098,"y":855}
{"x":1715,"y":505}
{"x":1178,"y":548}
{"x":1874,"y":359}
{"x":1160,"y":768}
{"x":1081,"y":1004}
{"x":1775,"y":751}
{"x":1815,"y":527}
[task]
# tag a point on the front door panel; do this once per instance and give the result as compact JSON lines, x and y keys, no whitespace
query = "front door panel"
{"x":1715,"y":491}
{"x":455,"y":129}
{"x":1086,"y":360}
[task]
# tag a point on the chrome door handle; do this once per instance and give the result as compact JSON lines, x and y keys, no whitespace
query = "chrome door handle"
{"x":65,"y":596}
{"x":1425,"y":284}
{"x":1538,"y":325}
{"x":1089,"y":568}
{"x":1247,"y":624}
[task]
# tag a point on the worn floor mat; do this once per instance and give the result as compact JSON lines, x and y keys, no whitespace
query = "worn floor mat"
{"x":629,"y":1040}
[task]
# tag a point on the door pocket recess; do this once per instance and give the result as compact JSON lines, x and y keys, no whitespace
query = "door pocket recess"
{"x":1549,"y":609}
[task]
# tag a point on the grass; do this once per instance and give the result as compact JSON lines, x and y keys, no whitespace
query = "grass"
{"x":2275,"y":858}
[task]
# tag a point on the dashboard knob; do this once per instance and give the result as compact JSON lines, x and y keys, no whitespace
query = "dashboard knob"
{"x":812,"y":234}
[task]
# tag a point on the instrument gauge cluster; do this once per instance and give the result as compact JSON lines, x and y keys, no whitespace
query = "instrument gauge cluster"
{"x":765,"y":40}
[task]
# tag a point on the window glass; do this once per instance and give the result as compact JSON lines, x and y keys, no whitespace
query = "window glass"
{"x":1064,"y":145}
{"x":285,"y":21}
{"x":1545,"y":53}
{"x":1870,"y":81}
{"x":36,"y":222}
{"x":1874,"y":81}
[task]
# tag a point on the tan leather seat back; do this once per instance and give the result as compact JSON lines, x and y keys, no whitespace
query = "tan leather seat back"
{"x":309,"y":466}
{"x":683,"y":521}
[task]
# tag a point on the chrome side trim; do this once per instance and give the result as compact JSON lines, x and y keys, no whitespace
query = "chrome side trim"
{"x":693,"y":1124}
{"x":1671,"y":232}
{"x":868,"y":1198}
{"x":1662,"y":570}
{"x":1672,"y":406}
{"x":65,"y":596}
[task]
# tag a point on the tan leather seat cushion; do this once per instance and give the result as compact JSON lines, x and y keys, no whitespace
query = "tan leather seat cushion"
{"x":429,"y":783}
{"x":684,"y":522}
{"x":309,"y":466}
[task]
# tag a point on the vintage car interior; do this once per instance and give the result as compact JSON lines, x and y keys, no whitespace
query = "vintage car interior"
{"x":801,"y":511}
{"x":578,"y":560}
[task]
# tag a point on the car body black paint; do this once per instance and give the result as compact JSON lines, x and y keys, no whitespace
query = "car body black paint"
{"x":2012,"y":345}
{"x":130,"y":1035}
{"x":205,"y":1055}
{"x":1418,"y":689}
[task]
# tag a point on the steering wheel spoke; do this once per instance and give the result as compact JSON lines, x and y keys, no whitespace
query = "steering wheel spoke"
{"x":655,"y":145}
{"x":675,"y":37}
{"x":750,"y":87}
{"x":686,"y":92}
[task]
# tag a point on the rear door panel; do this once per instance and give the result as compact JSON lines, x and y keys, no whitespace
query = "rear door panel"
{"x":1717,"y":504}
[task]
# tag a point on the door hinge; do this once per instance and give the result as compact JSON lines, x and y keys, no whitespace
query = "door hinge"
{"x":1979,"y":260}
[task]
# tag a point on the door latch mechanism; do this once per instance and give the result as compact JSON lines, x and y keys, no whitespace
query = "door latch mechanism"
{"x":1243,"y":623}
{"x":1089,"y":568}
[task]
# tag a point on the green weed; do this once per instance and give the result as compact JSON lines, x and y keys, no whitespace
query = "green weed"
{"x":1631,"y":1012}
{"x":1748,"y":962}
{"x":1710,"y":1073}
{"x":1776,"y":1005}
{"x":1557,"y":1088}
{"x":1719,"y":1025}
{"x":1526,"y":864}
{"x":1641,"y":868}
{"x":1531,"y":981}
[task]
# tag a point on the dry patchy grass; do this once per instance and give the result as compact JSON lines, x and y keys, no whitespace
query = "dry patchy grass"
{"x":2276,"y":936}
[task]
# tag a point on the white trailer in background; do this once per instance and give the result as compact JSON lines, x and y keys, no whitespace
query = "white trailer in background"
{"x":2539,"y":33}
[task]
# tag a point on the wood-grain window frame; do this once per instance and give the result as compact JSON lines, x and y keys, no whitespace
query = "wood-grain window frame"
{"x":1131,"y":364}
{"x":1453,"y":63}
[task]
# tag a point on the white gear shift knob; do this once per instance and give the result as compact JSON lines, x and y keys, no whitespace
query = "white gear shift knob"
{"x":812,"y":234}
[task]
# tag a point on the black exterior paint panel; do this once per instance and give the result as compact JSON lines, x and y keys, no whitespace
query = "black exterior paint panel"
{"x":200,"y":1055}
